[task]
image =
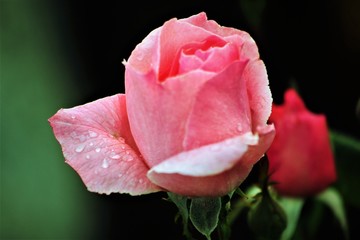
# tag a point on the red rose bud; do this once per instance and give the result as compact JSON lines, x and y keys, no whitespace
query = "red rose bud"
{"x":301,"y":161}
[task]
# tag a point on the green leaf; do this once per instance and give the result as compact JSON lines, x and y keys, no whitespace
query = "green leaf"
{"x":204,"y":214}
{"x":347,"y":155}
{"x":292,"y":208}
{"x":332,"y":198}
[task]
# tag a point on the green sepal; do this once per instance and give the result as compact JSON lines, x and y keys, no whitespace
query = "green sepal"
{"x":332,"y":198}
{"x":266,"y":218}
{"x":347,"y":155}
{"x":292,"y":208}
{"x":204,"y":214}
{"x":182,"y":204}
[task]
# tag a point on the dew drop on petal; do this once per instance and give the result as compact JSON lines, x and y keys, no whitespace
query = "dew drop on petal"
{"x":79,"y":148}
{"x":92,"y":134}
{"x":83,"y":138}
{"x":91,"y":144}
{"x":97,"y":150}
{"x":141,"y":181}
{"x":87,"y":157}
{"x":105,"y":163}
{"x":128,"y":158}
{"x":115,"y":156}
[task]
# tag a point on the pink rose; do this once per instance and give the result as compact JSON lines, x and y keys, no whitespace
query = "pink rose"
{"x":301,"y":160}
{"x":193,"y":122}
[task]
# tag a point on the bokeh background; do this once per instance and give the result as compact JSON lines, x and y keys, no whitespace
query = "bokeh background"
{"x":59,"y":54}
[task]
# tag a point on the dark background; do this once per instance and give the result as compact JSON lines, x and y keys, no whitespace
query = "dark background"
{"x":314,"y":44}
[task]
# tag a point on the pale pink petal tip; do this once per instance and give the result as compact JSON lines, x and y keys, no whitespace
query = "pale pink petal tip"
{"x":208,"y":160}
{"x":97,"y":143}
{"x":203,"y":171}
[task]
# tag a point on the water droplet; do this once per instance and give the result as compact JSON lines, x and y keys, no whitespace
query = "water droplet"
{"x":141,"y":181}
{"x":82,"y":138}
{"x":73,"y":117}
{"x":91,"y":144}
{"x":115,"y":156}
{"x":122,"y":147}
{"x":97,"y":150}
{"x":105,"y":163}
{"x":128,"y":158}
{"x":127,"y":152}
{"x":121,"y":140}
{"x":87,"y":156}
{"x":79,"y":148}
{"x":92,"y":134}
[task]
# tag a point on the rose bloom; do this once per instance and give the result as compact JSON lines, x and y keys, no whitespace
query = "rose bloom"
{"x":301,"y":161}
{"x":193,"y":120}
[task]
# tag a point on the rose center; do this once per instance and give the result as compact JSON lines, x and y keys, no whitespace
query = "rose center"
{"x":209,"y":55}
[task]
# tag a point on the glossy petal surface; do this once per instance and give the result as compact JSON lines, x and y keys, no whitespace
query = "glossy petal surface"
{"x":97,"y":142}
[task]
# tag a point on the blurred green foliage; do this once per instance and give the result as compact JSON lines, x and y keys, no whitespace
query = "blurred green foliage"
{"x":347,"y":155}
{"x":40,"y":197}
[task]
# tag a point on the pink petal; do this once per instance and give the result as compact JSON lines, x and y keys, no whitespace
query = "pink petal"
{"x":97,"y":143}
{"x":248,"y":50}
{"x":221,"y":109}
{"x":213,"y":170}
{"x":208,"y":160}
{"x":182,"y":61}
{"x":145,"y":54}
{"x":158,"y":111}
{"x":221,"y":57}
{"x":174,"y":35}
{"x":188,"y":63}
{"x":258,"y":91}
{"x":197,"y":19}
{"x":242,"y":39}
